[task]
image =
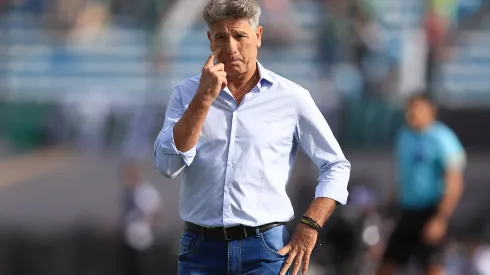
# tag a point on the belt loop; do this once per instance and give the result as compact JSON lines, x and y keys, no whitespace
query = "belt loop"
{"x":257,"y":232}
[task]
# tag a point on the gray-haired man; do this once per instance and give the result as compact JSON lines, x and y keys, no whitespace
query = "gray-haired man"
{"x":234,"y":130}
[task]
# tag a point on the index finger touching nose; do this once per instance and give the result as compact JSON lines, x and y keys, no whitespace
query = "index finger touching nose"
{"x":213,"y":58}
{"x":216,"y":53}
{"x":210,"y":61}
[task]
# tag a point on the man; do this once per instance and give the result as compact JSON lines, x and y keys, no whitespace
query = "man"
{"x":430,"y":176}
{"x":234,"y":130}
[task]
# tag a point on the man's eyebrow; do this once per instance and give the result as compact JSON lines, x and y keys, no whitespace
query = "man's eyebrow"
{"x":220,"y":33}
{"x":235,"y":31}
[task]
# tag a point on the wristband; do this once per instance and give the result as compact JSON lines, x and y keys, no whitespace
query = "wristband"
{"x":311,"y":223}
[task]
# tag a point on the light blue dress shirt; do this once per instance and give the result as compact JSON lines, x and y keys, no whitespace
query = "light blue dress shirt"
{"x":239,"y":169}
{"x":423,"y":160}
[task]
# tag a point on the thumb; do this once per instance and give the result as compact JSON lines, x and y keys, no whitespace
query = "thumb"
{"x":285,"y":250}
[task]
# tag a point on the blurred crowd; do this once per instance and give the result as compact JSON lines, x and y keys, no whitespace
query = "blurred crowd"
{"x":363,"y":58}
{"x":117,"y":55}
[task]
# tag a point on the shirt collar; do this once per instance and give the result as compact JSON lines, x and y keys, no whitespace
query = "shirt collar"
{"x":264,"y":74}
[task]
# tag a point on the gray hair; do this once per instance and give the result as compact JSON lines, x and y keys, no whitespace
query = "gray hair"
{"x":217,"y":10}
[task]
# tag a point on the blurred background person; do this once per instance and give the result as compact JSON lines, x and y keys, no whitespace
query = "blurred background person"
{"x":142,"y":208}
{"x":430,"y":164}
{"x":353,"y":237}
{"x":440,"y":21}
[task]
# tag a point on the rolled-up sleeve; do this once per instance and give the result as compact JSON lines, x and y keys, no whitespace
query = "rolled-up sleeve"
{"x":319,"y":143}
{"x":169,"y":161}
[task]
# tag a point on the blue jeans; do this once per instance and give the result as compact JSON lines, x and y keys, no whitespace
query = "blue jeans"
{"x":255,"y":255}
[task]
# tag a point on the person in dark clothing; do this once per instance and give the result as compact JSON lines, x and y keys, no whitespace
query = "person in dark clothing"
{"x":141,"y":207}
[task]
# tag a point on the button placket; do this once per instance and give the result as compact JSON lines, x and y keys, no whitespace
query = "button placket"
{"x":229,"y":169}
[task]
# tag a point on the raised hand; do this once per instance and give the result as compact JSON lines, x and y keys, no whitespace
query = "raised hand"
{"x":213,"y":78}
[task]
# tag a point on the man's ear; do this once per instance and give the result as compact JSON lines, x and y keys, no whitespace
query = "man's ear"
{"x":258,"y":33}
{"x":210,"y":41}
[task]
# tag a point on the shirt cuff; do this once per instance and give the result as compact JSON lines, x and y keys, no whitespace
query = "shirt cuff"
{"x":167,"y":144}
{"x":332,"y":190}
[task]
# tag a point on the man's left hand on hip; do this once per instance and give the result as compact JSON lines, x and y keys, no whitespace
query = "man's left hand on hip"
{"x":299,"y":249}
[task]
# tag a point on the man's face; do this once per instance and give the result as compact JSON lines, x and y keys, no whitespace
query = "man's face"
{"x":419,"y":114}
{"x":239,"y":44}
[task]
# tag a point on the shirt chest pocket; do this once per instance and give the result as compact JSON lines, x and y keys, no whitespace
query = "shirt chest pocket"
{"x":265,"y":133}
{"x":280,"y":132}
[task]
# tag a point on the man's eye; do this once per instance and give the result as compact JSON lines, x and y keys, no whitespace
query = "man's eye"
{"x":240,"y":36}
{"x":220,"y":37}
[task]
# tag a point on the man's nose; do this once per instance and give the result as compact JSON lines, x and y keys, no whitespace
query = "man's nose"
{"x":231,"y":47}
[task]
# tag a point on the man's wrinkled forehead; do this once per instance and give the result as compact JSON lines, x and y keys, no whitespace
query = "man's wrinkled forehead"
{"x":226,"y":26}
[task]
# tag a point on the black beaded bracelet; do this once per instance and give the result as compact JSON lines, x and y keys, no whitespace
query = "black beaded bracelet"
{"x":311,"y":223}
{"x":311,"y":220}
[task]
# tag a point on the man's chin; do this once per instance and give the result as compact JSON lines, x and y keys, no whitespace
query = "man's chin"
{"x":233,"y":71}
